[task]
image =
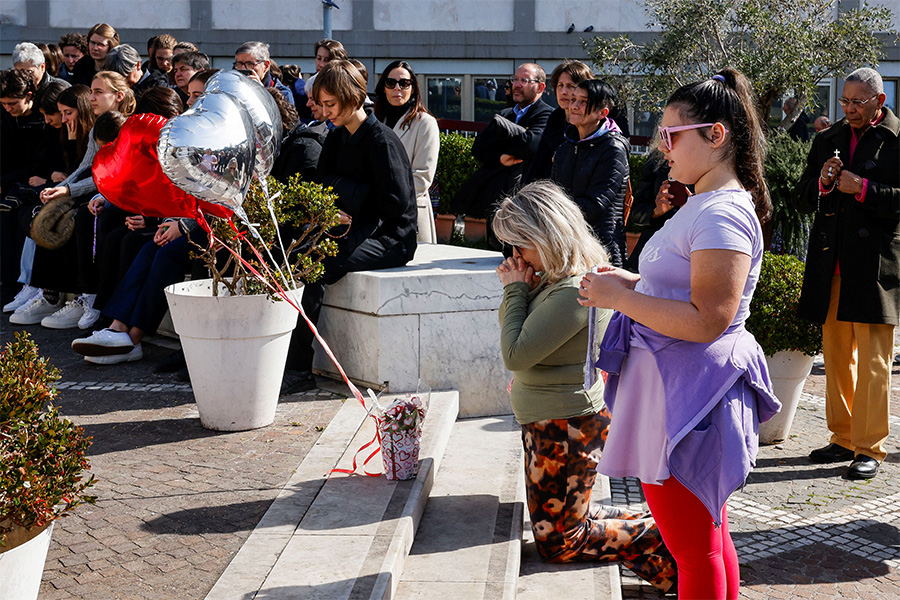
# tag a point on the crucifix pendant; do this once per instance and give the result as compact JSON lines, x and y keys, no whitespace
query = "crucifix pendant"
{"x":837,"y":154}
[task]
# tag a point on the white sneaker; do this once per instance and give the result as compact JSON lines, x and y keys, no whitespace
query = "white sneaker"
{"x":65,"y":318}
{"x":35,"y":311}
{"x":105,"y":342}
{"x":91,"y":314}
{"x":135,"y":354}
{"x":25,"y":295}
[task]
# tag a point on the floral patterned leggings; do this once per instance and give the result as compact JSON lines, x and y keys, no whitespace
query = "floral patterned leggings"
{"x":560,"y":460}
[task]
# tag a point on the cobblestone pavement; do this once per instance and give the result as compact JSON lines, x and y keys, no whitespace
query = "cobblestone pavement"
{"x":803,"y":530}
{"x":175,"y":501}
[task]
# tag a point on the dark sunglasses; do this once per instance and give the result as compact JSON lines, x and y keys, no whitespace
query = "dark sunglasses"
{"x":390,"y":83}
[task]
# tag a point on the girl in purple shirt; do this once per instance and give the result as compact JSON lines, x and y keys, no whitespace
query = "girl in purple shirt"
{"x":690,"y":385}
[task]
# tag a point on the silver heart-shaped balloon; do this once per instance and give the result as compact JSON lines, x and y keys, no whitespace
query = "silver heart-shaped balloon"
{"x":209,"y":151}
{"x":263,"y":111}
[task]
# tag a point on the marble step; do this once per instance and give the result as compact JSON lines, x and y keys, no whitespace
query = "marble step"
{"x":539,"y":580}
{"x":344,"y":536}
{"x":469,"y":541}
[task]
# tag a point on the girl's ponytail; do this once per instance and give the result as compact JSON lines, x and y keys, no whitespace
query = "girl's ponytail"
{"x":728,"y":97}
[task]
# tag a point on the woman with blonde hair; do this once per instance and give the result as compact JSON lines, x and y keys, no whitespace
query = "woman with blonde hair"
{"x":544,"y":340}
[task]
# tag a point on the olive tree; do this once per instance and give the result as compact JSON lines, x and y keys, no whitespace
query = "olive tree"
{"x":781,"y":46}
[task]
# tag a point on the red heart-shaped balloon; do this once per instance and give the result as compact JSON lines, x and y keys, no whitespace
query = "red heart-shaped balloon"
{"x":128,"y":174}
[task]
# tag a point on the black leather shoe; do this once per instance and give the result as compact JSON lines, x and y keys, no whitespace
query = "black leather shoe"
{"x":172,"y":363}
{"x":863,"y":467}
{"x":297,"y":381}
{"x":831,"y":453}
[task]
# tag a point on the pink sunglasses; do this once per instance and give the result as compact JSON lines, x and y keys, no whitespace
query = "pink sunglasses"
{"x":665,"y":133}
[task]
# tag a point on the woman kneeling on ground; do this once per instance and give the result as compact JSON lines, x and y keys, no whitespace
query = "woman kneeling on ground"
{"x":544,"y":340}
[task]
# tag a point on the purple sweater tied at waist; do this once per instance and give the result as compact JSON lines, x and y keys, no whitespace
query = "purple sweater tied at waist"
{"x":711,"y":447}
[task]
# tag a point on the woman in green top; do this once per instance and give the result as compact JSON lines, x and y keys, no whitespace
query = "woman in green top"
{"x":544,"y":340}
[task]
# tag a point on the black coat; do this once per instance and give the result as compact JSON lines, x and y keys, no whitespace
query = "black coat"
{"x":595,"y":173}
{"x":553,"y":136}
{"x":653,"y":175}
{"x":300,"y":152}
{"x":84,"y":70}
{"x":154,"y":79}
{"x":477,"y":196}
{"x":863,"y":236}
{"x":371,"y":175}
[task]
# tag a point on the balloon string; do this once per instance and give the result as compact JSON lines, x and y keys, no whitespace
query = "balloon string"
{"x":356,"y":393}
{"x":246,"y":220}
{"x":270,"y":203}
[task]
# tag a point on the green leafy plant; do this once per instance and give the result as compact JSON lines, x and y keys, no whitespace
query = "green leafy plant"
{"x":42,"y":455}
{"x":305,"y":211}
{"x":773,"y":319}
{"x":781,"y":47}
{"x":785,"y":161}
{"x":455,"y":165}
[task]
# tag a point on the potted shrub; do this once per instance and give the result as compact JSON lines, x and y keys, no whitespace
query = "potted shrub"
{"x":234,"y":330}
{"x":636,"y":164}
{"x":455,"y":165}
{"x":785,"y":161}
{"x":42,"y":466}
{"x":789,"y":341}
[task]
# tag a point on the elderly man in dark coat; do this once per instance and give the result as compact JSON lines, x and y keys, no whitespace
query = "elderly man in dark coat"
{"x":852,"y":279}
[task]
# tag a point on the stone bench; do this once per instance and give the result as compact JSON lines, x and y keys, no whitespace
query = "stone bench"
{"x":435,"y":319}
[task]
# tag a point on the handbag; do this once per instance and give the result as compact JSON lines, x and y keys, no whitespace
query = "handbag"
{"x":52,"y":227}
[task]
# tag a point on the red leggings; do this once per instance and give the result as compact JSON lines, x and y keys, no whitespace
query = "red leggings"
{"x":706,"y":558}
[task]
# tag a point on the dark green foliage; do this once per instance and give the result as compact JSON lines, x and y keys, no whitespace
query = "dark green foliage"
{"x":785,"y":161}
{"x":782,"y":47}
{"x":307,"y":209}
{"x":636,"y":164}
{"x":42,"y":455}
{"x":455,"y":165}
{"x":773,"y":316}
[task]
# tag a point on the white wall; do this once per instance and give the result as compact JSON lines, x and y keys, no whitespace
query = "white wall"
{"x":443,"y":15}
{"x":298,"y":15}
{"x":12,"y":11}
{"x":604,"y":15}
{"x":81,"y":15}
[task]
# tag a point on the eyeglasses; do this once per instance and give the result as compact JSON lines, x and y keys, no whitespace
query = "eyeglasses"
{"x":522,"y":80}
{"x":390,"y":83}
{"x":240,"y":64}
{"x":665,"y":133}
{"x":856,"y":103}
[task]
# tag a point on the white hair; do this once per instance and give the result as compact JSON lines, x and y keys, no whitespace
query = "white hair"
{"x":26,"y":52}
{"x":258,"y":50}
{"x":868,"y":76}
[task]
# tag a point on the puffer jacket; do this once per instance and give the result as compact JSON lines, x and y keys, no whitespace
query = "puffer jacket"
{"x":594,"y":172}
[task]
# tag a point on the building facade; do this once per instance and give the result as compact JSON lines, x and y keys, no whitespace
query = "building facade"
{"x":462,"y":50}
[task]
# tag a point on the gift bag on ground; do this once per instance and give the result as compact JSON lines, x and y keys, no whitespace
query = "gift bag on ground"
{"x":400,"y":430}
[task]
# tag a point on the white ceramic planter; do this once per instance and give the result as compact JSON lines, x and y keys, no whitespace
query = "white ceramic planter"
{"x":235,"y":348}
{"x":22,"y":567}
{"x":788,"y":372}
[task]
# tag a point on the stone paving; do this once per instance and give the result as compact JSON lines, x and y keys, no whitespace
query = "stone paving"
{"x":175,"y":501}
{"x":803,"y":530}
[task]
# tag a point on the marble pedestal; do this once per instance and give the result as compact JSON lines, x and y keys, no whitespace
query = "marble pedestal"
{"x":434,"y":319}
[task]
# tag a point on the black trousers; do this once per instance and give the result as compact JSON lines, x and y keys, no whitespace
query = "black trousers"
{"x":370,"y":255}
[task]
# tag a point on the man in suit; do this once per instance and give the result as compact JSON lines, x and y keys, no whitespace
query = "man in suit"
{"x":852,"y":280}
{"x":506,"y":146}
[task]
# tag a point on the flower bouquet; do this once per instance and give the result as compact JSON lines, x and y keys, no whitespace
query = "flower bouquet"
{"x":400,"y":431}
